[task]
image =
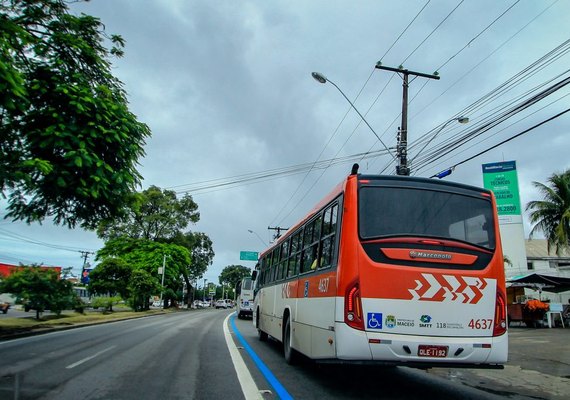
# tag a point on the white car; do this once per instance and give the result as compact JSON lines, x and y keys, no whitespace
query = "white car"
{"x":223,"y":304}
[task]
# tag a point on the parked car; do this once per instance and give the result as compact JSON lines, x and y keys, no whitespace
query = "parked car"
{"x":4,"y":306}
{"x":200,"y":304}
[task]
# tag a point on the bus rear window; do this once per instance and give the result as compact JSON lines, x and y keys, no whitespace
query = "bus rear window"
{"x":389,"y":211}
{"x":247,"y":284}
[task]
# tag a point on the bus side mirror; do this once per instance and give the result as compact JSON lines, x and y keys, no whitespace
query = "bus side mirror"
{"x":254,"y":275}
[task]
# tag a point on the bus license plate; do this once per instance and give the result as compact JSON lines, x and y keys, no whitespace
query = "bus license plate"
{"x":432,"y":351}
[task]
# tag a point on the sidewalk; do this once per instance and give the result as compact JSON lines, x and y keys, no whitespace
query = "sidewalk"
{"x":538,"y":366}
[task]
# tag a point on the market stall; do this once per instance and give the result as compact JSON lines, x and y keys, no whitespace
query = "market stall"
{"x":533,"y":311}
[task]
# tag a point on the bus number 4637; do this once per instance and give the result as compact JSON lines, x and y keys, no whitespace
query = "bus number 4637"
{"x":480,"y":324}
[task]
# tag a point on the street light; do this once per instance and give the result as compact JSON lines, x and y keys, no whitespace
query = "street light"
{"x":204,"y":294}
{"x":461,"y":120}
{"x":259,"y":237}
{"x":322,"y":79}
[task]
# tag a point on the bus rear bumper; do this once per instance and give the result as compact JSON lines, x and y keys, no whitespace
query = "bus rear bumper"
{"x":487,"y":352}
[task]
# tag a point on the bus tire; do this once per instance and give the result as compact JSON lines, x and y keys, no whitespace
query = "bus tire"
{"x":291,"y":355}
{"x":263,"y":336}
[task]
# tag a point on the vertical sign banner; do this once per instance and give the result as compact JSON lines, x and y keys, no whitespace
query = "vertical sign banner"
{"x":85,"y":276}
{"x":501,"y":178}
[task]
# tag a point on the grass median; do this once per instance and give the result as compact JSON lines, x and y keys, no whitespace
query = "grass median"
{"x":22,"y":325}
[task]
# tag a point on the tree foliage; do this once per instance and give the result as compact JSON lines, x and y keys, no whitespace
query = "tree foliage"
{"x":142,"y":285}
{"x":155,"y":214}
{"x":158,"y":216}
{"x":68,"y":143}
{"x":39,"y":289}
{"x":232,"y":274}
{"x":551,"y":215}
{"x":146,"y":255}
{"x":201,"y":252}
{"x":111,"y":277}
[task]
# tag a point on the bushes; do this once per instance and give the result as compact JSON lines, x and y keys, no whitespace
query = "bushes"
{"x":105,"y":302}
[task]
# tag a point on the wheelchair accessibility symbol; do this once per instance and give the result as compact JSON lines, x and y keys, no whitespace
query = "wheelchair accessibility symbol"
{"x":374,"y":320}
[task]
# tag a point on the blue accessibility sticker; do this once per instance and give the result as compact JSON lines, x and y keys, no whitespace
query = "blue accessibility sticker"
{"x":374,"y":321}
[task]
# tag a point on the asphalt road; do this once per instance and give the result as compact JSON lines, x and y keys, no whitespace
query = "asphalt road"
{"x":185,"y":356}
{"x":171,"y":356}
{"x":316,"y":381}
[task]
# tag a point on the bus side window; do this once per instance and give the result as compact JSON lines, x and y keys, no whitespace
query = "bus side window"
{"x":270,"y":270}
{"x":265,"y":269}
{"x":295,"y":255}
{"x":329,"y":232}
{"x":311,"y":245}
{"x":283,"y":260}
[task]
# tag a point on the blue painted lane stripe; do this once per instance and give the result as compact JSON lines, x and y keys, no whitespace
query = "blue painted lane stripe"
{"x":273,"y":381}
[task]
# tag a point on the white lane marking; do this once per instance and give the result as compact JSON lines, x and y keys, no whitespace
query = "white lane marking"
{"x":89,"y":358}
{"x":248,"y":386}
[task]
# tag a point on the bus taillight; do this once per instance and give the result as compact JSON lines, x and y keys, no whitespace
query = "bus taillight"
{"x":500,"y":326}
{"x":353,"y":308}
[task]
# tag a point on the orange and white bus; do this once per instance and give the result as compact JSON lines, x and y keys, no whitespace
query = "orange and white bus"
{"x":391,"y":270}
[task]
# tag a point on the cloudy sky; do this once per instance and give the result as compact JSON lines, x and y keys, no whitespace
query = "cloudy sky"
{"x":226,"y":88}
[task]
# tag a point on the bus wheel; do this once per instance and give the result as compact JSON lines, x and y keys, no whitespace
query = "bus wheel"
{"x":291,"y":355}
{"x":262,"y":335}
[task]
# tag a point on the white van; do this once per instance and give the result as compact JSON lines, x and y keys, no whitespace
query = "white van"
{"x":244,"y":298}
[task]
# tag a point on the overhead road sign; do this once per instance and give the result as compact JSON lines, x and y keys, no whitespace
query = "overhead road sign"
{"x":249,"y":255}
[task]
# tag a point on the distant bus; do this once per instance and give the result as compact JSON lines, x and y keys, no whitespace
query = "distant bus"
{"x":390,"y":270}
{"x":244,"y":298}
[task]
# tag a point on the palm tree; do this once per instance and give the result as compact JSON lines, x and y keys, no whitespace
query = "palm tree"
{"x":552,"y":214}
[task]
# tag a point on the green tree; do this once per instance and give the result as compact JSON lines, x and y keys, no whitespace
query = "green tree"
{"x":111,"y":277}
{"x":69,"y":145}
{"x":551,"y":215}
{"x":159,"y":216}
{"x":154,"y":215}
{"x":149,"y":256}
{"x":142,"y":285}
{"x":39,"y":289}
{"x":201,"y":255}
{"x":232,"y":274}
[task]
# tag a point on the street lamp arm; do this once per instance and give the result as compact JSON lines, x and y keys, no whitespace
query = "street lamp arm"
{"x":322,"y":79}
{"x":259,"y":237}
{"x":461,"y":120}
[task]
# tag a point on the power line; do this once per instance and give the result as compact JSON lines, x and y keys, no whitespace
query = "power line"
{"x":269,"y":174}
{"x":468,"y":72}
{"x":503,"y":129}
{"x":471,"y":134}
{"x":462,"y":77}
{"x":502,"y":112}
{"x":505,"y":141}
{"x":15,"y":236}
{"x":404,"y":31}
{"x":476,"y":36}
{"x":432,"y":32}
{"x":343,"y":119}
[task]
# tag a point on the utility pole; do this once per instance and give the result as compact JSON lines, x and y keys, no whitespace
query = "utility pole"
{"x":278,"y":229}
{"x":162,"y":283}
{"x":402,"y":149}
{"x":84,"y":255}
